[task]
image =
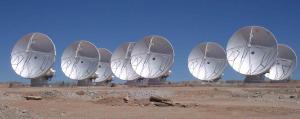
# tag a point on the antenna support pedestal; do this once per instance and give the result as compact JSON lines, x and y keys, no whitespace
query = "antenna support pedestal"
{"x":254,"y":78}
{"x":148,"y":81}
{"x":85,"y":82}
{"x":104,"y":83}
{"x":39,"y":82}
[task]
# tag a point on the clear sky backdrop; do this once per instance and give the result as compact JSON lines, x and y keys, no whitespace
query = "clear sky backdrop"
{"x":110,"y":23}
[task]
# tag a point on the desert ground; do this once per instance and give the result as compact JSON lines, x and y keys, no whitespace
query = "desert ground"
{"x":123,"y":102}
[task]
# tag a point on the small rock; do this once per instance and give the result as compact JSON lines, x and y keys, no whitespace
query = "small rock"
{"x":292,"y":96}
{"x":5,"y":94}
{"x":80,"y":92}
{"x":126,"y":99}
{"x":160,"y":104}
{"x":280,"y":97}
{"x":180,"y":105}
{"x":158,"y":99}
{"x":257,"y":94}
{"x":33,"y":97}
{"x":24,"y":111}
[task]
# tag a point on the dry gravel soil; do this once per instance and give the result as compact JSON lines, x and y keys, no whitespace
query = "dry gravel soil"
{"x":123,"y":102}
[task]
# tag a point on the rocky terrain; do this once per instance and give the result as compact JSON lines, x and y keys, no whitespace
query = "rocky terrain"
{"x":122,"y":102}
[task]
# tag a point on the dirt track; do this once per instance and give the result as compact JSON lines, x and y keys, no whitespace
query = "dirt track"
{"x":191,"y":103}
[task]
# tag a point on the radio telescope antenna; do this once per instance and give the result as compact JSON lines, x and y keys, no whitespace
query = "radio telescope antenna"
{"x":152,"y":57}
{"x":286,"y":63}
{"x":32,"y":57}
{"x":207,"y":61}
{"x":80,"y":60}
{"x":104,"y":72}
{"x":251,"y":51}
{"x":120,"y":62}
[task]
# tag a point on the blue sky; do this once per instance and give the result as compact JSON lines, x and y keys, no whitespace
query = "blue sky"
{"x":110,"y":23}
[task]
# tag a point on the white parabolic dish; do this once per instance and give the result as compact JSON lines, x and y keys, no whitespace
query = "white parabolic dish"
{"x":285,"y":65}
{"x":120,"y":62}
{"x":33,"y":55}
{"x":80,"y":60}
{"x":152,"y":56}
{"x":252,"y":50}
{"x":104,"y":71}
{"x":207,"y":61}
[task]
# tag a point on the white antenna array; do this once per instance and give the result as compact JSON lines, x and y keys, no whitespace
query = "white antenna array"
{"x":251,"y":51}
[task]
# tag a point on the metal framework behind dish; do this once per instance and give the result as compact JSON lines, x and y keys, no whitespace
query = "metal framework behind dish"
{"x":80,"y":60}
{"x":252,"y":50}
{"x":120,"y":62}
{"x":285,"y":65}
{"x":33,"y":56}
{"x":104,"y":71}
{"x":207,"y":61}
{"x":152,"y":57}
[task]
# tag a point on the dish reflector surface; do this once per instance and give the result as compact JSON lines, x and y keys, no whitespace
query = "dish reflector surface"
{"x":33,"y":55}
{"x":80,"y":60}
{"x":286,"y":63}
{"x":152,"y":56}
{"x":120,"y":62}
{"x":104,"y":71}
{"x":207,"y":61}
{"x":252,"y":50}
